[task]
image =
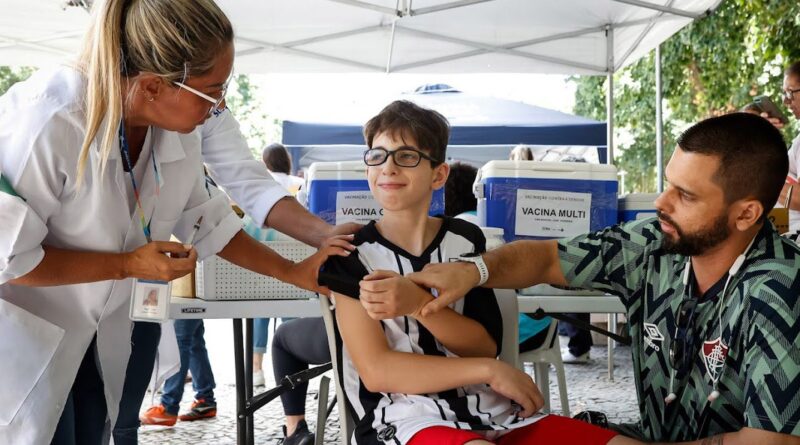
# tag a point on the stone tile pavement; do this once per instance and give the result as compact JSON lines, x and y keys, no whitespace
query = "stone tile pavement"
{"x":588,"y":388}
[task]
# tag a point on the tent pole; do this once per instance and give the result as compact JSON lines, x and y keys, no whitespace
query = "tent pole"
{"x":391,"y":47}
{"x":659,"y":125}
{"x":610,"y":95}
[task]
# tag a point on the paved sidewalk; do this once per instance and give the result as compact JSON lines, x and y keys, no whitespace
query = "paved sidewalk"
{"x":588,"y":388}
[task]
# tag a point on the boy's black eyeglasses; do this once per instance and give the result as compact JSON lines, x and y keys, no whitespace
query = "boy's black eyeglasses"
{"x":681,"y":348}
{"x":403,"y":156}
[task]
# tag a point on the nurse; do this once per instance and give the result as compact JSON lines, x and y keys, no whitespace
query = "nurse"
{"x":105,"y":162}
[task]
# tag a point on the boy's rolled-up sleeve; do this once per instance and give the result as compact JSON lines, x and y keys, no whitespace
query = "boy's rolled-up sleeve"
{"x":342,"y":274}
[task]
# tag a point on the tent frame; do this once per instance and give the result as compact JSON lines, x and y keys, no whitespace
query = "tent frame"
{"x":405,"y":8}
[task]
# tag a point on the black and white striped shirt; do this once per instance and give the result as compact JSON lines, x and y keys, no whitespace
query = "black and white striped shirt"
{"x":392,"y":418}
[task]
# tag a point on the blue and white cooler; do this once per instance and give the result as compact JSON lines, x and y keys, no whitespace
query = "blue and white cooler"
{"x":542,"y":200}
{"x":635,"y":206}
{"x":338,"y":192}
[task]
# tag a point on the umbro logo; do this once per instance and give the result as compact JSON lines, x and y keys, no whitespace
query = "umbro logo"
{"x":652,"y":335}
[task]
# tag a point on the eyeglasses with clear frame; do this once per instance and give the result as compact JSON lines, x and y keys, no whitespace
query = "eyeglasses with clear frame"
{"x":403,"y":157}
{"x":788,"y":95}
{"x":216,"y":109}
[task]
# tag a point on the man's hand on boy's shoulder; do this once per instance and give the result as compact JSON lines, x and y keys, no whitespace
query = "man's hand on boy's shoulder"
{"x":386,"y":294}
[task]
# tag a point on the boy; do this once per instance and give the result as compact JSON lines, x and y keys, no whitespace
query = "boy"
{"x":427,"y":380}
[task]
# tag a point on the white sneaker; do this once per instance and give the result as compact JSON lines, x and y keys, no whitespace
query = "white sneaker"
{"x":258,"y":378}
{"x":567,"y":357}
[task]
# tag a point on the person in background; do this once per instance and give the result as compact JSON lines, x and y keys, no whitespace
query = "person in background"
{"x":194,"y":357}
{"x":521,"y":153}
{"x":791,"y":98}
{"x":459,"y":200}
{"x":279,"y":165}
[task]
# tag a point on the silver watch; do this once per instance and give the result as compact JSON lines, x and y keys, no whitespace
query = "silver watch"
{"x":477,"y":260}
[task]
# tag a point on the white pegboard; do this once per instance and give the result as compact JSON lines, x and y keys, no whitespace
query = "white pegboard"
{"x":218,"y":279}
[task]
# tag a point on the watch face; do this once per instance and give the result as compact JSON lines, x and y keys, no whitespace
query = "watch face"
{"x":470,"y":255}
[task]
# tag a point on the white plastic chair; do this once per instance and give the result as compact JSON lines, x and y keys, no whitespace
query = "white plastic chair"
{"x":506,"y":300}
{"x":346,"y":423}
{"x":548,"y":353}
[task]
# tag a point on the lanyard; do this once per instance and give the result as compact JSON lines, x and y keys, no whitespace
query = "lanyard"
{"x":123,"y":146}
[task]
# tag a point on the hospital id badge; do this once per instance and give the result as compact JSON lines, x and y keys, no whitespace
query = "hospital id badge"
{"x":150,"y":300}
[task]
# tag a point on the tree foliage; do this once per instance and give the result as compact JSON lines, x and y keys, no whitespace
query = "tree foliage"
{"x":259,"y":128}
{"x":715,"y":65}
{"x":10,"y":76}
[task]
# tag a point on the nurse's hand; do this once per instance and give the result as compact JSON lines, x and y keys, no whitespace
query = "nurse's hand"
{"x":306,"y":273}
{"x":152,"y":262}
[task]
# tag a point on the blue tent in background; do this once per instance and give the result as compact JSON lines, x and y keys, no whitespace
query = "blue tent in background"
{"x":474,"y":120}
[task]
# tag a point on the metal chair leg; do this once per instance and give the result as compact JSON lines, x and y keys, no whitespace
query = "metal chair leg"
{"x":322,"y":409}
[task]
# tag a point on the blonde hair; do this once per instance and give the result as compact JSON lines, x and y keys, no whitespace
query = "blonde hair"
{"x":521,"y":153}
{"x":174,"y":39}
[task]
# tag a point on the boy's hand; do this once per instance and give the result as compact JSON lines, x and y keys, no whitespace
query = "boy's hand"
{"x":306,"y":273}
{"x":386,"y":294}
{"x":451,"y":280}
{"x":517,"y":386}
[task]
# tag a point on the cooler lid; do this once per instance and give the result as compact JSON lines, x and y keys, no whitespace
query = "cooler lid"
{"x":639,"y":198}
{"x":343,"y":166}
{"x":548,"y":170}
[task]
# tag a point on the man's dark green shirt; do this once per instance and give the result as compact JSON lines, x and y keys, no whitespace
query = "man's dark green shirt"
{"x":758,"y":380}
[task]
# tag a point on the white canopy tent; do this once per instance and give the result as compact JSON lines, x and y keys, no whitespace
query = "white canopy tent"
{"x":397,"y":36}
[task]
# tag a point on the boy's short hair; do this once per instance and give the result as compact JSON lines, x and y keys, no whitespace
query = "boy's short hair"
{"x":403,"y":118}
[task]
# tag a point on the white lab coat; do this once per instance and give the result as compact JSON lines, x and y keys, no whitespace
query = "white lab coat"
{"x":45,"y":331}
{"x":246,"y":180}
{"x":230,"y":163}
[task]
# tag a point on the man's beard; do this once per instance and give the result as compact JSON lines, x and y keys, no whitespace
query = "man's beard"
{"x":697,"y":243}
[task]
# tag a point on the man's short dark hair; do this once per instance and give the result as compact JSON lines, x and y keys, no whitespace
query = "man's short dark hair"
{"x":752,"y":154}
{"x":458,"y":196}
{"x":277,"y":158}
{"x":402,"y":119}
{"x":793,"y":70}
